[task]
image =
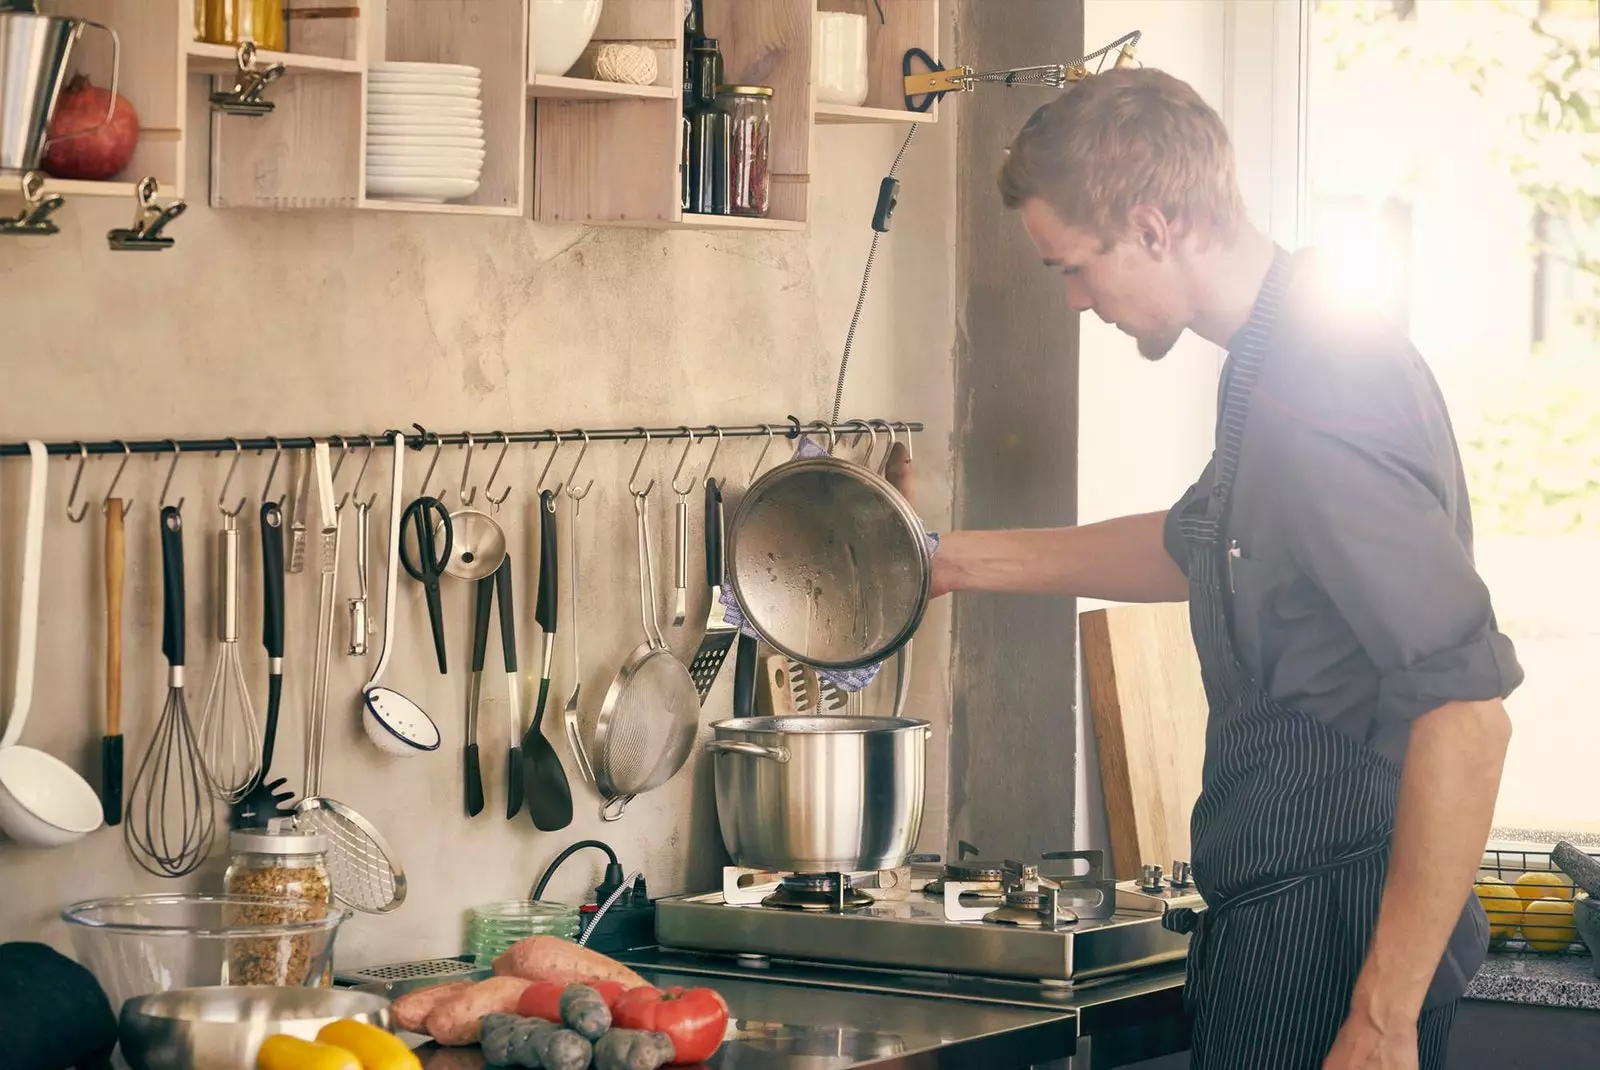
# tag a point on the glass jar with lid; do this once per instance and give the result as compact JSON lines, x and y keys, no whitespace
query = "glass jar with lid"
{"x":288,"y":871}
{"x":749,"y":112}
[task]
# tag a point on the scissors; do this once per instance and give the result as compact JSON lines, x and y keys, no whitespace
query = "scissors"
{"x":431,"y":561}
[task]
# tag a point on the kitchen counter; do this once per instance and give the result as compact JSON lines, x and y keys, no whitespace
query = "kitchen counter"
{"x":1541,"y":980}
{"x":781,"y":1026}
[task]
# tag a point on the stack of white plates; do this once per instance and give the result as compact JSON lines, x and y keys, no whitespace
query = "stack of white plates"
{"x":424,"y":131}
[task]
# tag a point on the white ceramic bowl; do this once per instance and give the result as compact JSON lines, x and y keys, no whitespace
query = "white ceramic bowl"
{"x":471,"y":174}
{"x":43,"y":800}
{"x":423,"y":154}
{"x":430,"y":90}
{"x":469,"y":106}
{"x":394,"y":126}
{"x":427,"y":190}
{"x":422,"y":141}
{"x":393,"y":67}
{"x":561,"y":31}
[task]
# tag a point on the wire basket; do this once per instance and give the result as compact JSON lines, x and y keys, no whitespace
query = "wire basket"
{"x":1502,"y":887}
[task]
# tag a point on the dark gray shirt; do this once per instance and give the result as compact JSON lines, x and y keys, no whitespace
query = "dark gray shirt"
{"x":1355,"y":595}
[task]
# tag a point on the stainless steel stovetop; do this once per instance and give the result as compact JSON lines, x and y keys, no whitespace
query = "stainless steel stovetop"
{"x":1058,"y":920}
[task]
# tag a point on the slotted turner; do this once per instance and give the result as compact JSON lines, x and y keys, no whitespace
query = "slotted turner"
{"x":720,"y":634}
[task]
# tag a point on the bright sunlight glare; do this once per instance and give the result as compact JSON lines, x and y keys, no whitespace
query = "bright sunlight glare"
{"x":1363,"y":264}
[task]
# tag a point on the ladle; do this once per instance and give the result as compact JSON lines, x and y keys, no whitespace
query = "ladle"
{"x":43,"y":801}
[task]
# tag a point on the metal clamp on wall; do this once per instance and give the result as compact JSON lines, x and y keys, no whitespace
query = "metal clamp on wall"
{"x":34,"y":219}
{"x":149,"y":219}
{"x":245,"y":96}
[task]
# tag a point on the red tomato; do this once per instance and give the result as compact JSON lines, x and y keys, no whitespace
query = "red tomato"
{"x":695,"y":1018}
{"x":542,"y":999}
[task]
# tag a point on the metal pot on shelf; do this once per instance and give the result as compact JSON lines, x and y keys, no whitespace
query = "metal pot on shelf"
{"x":820,"y":794}
{"x":34,"y":54}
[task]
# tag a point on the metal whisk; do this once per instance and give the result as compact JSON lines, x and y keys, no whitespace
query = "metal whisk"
{"x":171,"y":821}
{"x":230,"y":741}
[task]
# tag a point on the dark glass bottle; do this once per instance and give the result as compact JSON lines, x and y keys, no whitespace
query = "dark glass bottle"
{"x":693,"y":31}
{"x":707,"y":129}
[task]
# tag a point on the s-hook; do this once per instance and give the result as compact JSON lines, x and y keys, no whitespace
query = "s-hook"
{"x":111,"y":491}
{"x":762,"y":458}
{"x":177,"y":455}
{"x":222,"y":495}
{"x":633,"y":478}
{"x":711,"y":465}
{"x":680,"y":572}
{"x":266,"y":488}
{"x":77,"y":477}
{"x":488,"y":484}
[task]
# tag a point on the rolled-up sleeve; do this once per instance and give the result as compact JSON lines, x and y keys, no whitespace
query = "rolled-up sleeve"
{"x":1371,"y":517}
{"x":1171,"y":530}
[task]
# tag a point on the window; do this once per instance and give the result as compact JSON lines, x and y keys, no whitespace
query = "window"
{"x":1450,"y":157}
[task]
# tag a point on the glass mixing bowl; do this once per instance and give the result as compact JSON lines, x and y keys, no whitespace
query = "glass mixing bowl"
{"x":139,"y":944}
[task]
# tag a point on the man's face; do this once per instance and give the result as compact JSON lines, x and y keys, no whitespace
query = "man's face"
{"x":1134,"y":285}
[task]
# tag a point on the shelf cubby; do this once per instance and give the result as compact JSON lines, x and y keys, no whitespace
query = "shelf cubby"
{"x":905,"y":24}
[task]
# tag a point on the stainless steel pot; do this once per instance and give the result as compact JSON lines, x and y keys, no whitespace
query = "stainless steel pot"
{"x":829,"y":562}
{"x":820,"y":794}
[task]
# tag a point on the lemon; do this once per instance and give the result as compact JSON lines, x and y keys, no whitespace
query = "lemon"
{"x":1533,"y":886}
{"x":1503,"y":905}
{"x":1548,"y":925}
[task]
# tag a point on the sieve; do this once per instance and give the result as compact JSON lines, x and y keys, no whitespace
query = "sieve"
{"x":362,"y":867}
{"x":829,"y":563}
{"x":651,"y":712}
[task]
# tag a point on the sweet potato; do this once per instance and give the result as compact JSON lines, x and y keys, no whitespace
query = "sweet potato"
{"x":455,"y":1021}
{"x":412,"y":1009}
{"x":550,"y":958}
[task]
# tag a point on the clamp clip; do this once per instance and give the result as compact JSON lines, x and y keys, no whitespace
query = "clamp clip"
{"x":149,"y":219}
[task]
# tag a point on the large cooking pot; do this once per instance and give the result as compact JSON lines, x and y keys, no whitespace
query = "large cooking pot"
{"x":830,"y":564}
{"x":820,"y":794}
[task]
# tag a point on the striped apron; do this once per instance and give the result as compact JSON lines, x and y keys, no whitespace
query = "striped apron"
{"x":1290,"y":835}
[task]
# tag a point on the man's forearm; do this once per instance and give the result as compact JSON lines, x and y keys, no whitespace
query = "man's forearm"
{"x":1122,"y":560}
{"x":1447,"y":795}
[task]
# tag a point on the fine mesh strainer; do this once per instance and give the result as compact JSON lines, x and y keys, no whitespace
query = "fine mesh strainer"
{"x":647,"y":724}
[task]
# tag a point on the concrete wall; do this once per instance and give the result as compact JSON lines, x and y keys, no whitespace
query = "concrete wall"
{"x":342,"y":322}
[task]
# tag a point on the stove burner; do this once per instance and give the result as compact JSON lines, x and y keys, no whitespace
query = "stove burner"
{"x":987,"y":875}
{"x":1025,"y":909}
{"x":817,"y":892}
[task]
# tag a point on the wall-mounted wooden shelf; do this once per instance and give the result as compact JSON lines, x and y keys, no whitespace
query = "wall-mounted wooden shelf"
{"x":561,"y":87}
{"x":558,"y":147}
{"x":847,"y":115}
{"x":207,"y":58}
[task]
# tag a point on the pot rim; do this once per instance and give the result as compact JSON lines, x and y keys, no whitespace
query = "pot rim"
{"x":908,"y":515}
{"x":846,"y":726}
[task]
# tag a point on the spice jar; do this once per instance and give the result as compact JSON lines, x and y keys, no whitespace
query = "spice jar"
{"x":233,"y":22}
{"x":749,"y":112}
{"x":288,"y":871}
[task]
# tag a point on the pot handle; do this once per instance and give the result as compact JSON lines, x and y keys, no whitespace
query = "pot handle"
{"x":116,"y":73}
{"x":754,"y":750}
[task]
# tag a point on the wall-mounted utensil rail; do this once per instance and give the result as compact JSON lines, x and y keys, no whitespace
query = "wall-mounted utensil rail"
{"x":790,"y":428}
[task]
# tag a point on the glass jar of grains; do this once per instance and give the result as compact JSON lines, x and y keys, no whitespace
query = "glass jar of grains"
{"x":288,"y":871}
{"x":749,"y":112}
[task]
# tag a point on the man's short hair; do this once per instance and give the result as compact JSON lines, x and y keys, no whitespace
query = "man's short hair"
{"x":1120,"y":139}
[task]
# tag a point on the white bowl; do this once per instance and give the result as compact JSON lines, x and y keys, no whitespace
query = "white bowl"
{"x":561,"y":31}
{"x":423,"y":163}
{"x":43,"y":800}
{"x":392,"y":126}
{"x":393,"y":67}
{"x":421,"y":141}
{"x":431,"y":190}
{"x":470,"y":106}
{"x":423,"y":153}
{"x":430,"y":90}
{"x":472,"y":174}
{"x":409,"y":78}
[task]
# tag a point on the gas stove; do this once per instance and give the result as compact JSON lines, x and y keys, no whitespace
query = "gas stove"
{"x":1058,"y":920}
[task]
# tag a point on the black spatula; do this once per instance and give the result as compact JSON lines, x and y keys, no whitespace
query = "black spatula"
{"x":548,"y":793}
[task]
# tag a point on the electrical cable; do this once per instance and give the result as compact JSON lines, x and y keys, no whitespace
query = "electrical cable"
{"x":613,"y":865}
{"x":887,"y":192}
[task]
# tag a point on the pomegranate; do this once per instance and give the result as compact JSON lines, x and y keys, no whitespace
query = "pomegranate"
{"x":101,"y":153}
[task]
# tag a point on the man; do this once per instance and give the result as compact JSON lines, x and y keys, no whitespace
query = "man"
{"x":1350,"y":654}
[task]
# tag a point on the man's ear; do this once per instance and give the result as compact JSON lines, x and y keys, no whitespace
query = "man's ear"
{"x":1151,"y":231}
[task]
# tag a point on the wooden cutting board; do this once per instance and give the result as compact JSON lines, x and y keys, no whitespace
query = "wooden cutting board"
{"x":1142,"y":681}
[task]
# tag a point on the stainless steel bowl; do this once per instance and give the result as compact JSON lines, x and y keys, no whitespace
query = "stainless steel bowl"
{"x":820,"y":794}
{"x":829,"y":562}
{"x":222,"y":1028}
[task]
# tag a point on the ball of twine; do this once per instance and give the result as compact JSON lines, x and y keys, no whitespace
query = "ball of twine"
{"x":630,"y":64}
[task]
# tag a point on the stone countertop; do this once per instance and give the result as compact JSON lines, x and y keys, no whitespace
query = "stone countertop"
{"x":1543,"y":980}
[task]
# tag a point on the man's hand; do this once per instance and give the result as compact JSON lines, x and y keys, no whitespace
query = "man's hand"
{"x":1363,"y":1044}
